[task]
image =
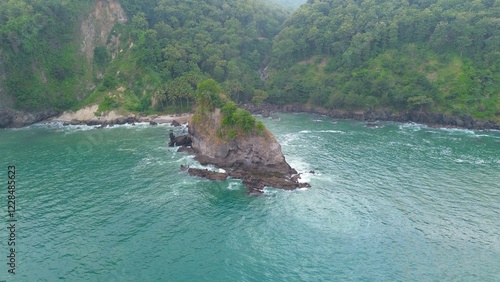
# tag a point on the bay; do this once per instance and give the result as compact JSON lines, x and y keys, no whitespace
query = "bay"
{"x":393,"y":202}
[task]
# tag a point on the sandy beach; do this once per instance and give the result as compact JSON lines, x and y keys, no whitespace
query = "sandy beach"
{"x":86,"y":116}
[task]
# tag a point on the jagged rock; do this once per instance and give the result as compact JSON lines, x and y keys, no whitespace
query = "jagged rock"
{"x":120,"y":120}
{"x":183,"y":140}
{"x":175,"y":123}
{"x":13,"y":119}
{"x":131,"y":119}
{"x":185,"y":149}
{"x":93,"y":122}
{"x":257,"y":159}
{"x":153,"y":123}
{"x":208,"y":174}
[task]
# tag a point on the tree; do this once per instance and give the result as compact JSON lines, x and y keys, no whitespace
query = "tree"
{"x":260,"y":96}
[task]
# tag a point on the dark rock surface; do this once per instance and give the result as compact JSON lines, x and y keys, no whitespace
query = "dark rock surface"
{"x":185,"y":149}
{"x":181,"y":140}
{"x":208,"y":174}
{"x":175,"y":123}
{"x":14,"y":119}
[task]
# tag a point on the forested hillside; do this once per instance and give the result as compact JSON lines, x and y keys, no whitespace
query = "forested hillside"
{"x":290,"y":4}
{"x":148,"y":56}
{"x":40,"y":65}
{"x":436,"y":55}
{"x":176,"y":44}
{"x":151,"y":63}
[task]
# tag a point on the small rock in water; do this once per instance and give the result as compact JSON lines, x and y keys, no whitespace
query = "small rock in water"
{"x":208,"y":174}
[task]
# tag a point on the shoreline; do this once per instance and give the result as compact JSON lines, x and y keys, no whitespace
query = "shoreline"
{"x":430,"y":119}
{"x":86,"y":116}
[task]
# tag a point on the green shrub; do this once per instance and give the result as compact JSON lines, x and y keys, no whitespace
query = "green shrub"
{"x":108,"y":104}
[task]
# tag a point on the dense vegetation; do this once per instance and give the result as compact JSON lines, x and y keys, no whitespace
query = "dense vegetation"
{"x":433,"y":55}
{"x":437,"y":55}
{"x":234,"y":122}
{"x":180,"y":43}
{"x":39,"y":61}
{"x":289,"y":4}
{"x":162,"y":53}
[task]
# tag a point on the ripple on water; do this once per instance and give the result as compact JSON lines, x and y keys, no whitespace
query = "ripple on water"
{"x":390,"y":204}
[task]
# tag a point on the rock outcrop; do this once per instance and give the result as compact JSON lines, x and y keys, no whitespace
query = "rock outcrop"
{"x":257,"y":159}
{"x":181,"y":140}
{"x":13,"y":119}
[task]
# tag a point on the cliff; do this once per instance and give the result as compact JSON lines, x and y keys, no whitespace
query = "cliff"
{"x":255,"y":158}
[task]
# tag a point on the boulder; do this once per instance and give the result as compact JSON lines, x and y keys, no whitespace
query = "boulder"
{"x":175,"y":123}
{"x":93,"y":122}
{"x":120,"y":120}
{"x":183,"y":140}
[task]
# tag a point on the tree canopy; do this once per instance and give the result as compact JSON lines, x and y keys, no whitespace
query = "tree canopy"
{"x":442,"y":55}
{"x":433,"y":55}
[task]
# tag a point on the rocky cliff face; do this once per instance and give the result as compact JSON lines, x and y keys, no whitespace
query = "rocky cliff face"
{"x":256,"y":158}
{"x":96,"y":28}
{"x":13,"y":119}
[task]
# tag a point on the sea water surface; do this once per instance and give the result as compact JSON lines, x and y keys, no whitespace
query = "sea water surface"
{"x":394,"y":202}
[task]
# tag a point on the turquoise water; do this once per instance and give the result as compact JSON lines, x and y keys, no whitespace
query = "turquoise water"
{"x":401,"y":202}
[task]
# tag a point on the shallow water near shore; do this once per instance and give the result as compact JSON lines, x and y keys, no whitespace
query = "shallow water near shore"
{"x":388,"y":202}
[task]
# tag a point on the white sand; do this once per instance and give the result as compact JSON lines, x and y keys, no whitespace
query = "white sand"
{"x":87,"y":113}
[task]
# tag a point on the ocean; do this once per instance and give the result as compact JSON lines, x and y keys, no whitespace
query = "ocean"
{"x":388,"y":202}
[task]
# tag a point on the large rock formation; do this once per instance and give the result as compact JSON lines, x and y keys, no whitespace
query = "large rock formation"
{"x":255,"y":158}
{"x":12,"y":118}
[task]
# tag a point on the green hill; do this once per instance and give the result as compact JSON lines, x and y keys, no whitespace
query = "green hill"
{"x":435,"y":55}
{"x":150,"y":59}
{"x":289,"y":4}
{"x":148,"y":56}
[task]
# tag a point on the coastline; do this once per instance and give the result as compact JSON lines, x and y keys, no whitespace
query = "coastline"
{"x":86,"y":116}
{"x":430,"y":119}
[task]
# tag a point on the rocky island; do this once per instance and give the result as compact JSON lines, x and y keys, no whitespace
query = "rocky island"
{"x":230,"y":138}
